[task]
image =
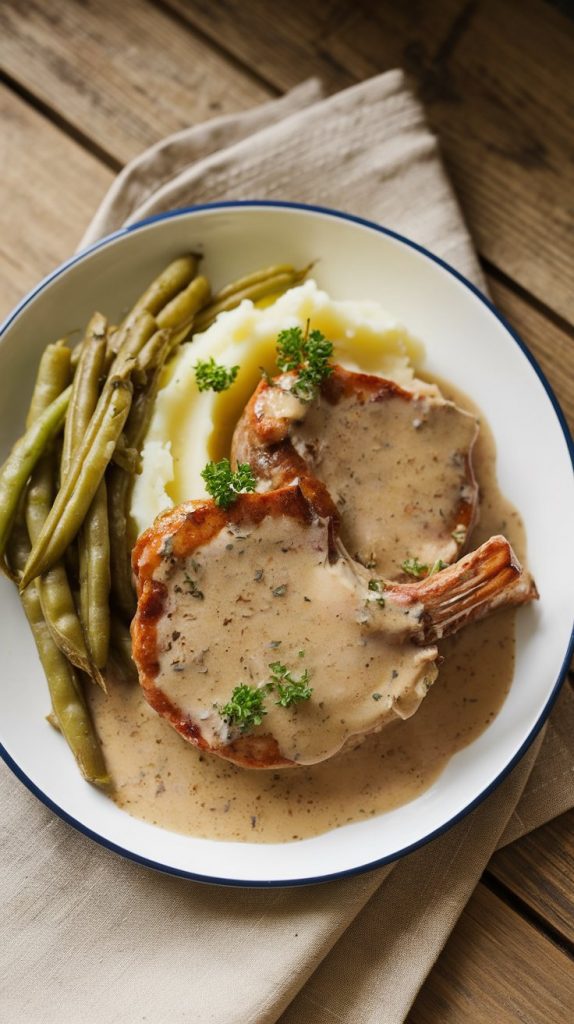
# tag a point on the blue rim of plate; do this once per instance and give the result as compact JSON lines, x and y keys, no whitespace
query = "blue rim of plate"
{"x":371,"y":865}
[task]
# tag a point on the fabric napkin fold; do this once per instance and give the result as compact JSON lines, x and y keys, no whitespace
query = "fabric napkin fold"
{"x":103,"y":938}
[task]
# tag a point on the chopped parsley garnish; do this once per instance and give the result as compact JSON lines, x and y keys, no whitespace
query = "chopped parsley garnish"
{"x":308,"y":353}
{"x":290,"y":690}
{"x":459,"y":534}
{"x":280,"y":591}
{"x":438,"y":565}
{"x":413,"y":567}
{"x":377,"y":696}
{"x":224,"y":485}
{"x":193,"y":587}
{"x":377,"y":586}
{"x":246,"y":707}
{"x":212,"y":376}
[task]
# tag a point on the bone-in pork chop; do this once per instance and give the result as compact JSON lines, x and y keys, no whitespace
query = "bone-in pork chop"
{"x":236,"y":597}
{"x":396,"y":463}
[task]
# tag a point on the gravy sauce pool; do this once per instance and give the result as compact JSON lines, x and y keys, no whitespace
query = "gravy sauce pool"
{"x":162,"y":779}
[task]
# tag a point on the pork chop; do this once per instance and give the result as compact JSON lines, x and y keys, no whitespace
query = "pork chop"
{"x":263,"y":593}
{"x":397,"y":463}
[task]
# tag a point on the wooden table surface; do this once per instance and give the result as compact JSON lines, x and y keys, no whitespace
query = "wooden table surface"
{"x":85,"y":85}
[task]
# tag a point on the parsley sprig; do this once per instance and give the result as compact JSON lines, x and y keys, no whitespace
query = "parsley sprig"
{"x":438,"y":566}
{"x":224,"y":485}
{"x":246,"y":707}
{"x":377,"y":587}
{"x":307,"y":352}
{"x":212,"y":376}
{"x":413,"y":567}
{"x":290,"y":690}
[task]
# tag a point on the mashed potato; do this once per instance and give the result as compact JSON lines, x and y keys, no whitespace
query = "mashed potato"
{"x":189,"y":427}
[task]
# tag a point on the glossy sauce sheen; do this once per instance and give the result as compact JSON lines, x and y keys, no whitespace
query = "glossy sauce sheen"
{"x":162,"y":779}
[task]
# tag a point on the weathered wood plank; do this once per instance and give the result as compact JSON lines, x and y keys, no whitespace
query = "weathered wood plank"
{"x":540,"y":870}
{"x":496,"y":967}
{"x":51,"y":188}
{"x":289,"y":49}
{"x":126,"y":75}
{"x":284,"y":50}
{"x":506,"y":125}
{"x":501,"y":112}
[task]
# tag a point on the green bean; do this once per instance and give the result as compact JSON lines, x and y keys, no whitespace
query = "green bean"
{"x":79,"y":487}
{"x":122,"y":588}
{"x":74,"y":360}
{"x":132,"y":337}
{"x":58,"y":607}
{"x":127,"y":339}
{"x":54,"y":373}
{"x":92,"y":455}
{"x":126,"y":458}
{"x":271,"y":285}
{"x":94,"y":556}
{"x":171,"y":281}
{"x":85,"y":390}
{"x":255,"y":278}
{"x":186,"y":304}
{"x":119,"y":484}
{"x":93,"y":539}
{"x":53,"y":721}
{"x":22,"y":459}
{"x":54,"y":591}
{"x":151,"y":361}
{"x":153,"y":352}
{"x":69,"y":707}
{"x":122,"y":649}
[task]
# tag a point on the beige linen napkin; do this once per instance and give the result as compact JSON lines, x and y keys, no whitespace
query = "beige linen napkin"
{"x":89,"y":936}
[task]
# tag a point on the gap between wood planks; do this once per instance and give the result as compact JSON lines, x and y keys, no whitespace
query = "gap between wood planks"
{"x":491,"y":270}
{"x":515,"y":902}
{"x":60,"y":122}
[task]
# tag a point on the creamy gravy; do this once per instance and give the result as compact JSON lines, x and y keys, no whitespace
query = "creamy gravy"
{"x":396,"y":470}
{"x":268,"y":594}
{"x":161,"y":778}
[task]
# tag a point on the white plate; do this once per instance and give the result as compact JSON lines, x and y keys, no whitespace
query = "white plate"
{"x":467,"y":342}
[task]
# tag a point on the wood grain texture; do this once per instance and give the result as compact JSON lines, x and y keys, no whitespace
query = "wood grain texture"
{"x":539,"y":869}
{"x":283,"y":50}
{"x":124,"y":74}
{"x":506,"y":126}
{"x":52,"y":187}
{"x":503,"y":114}
{"x":496,"y":968}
